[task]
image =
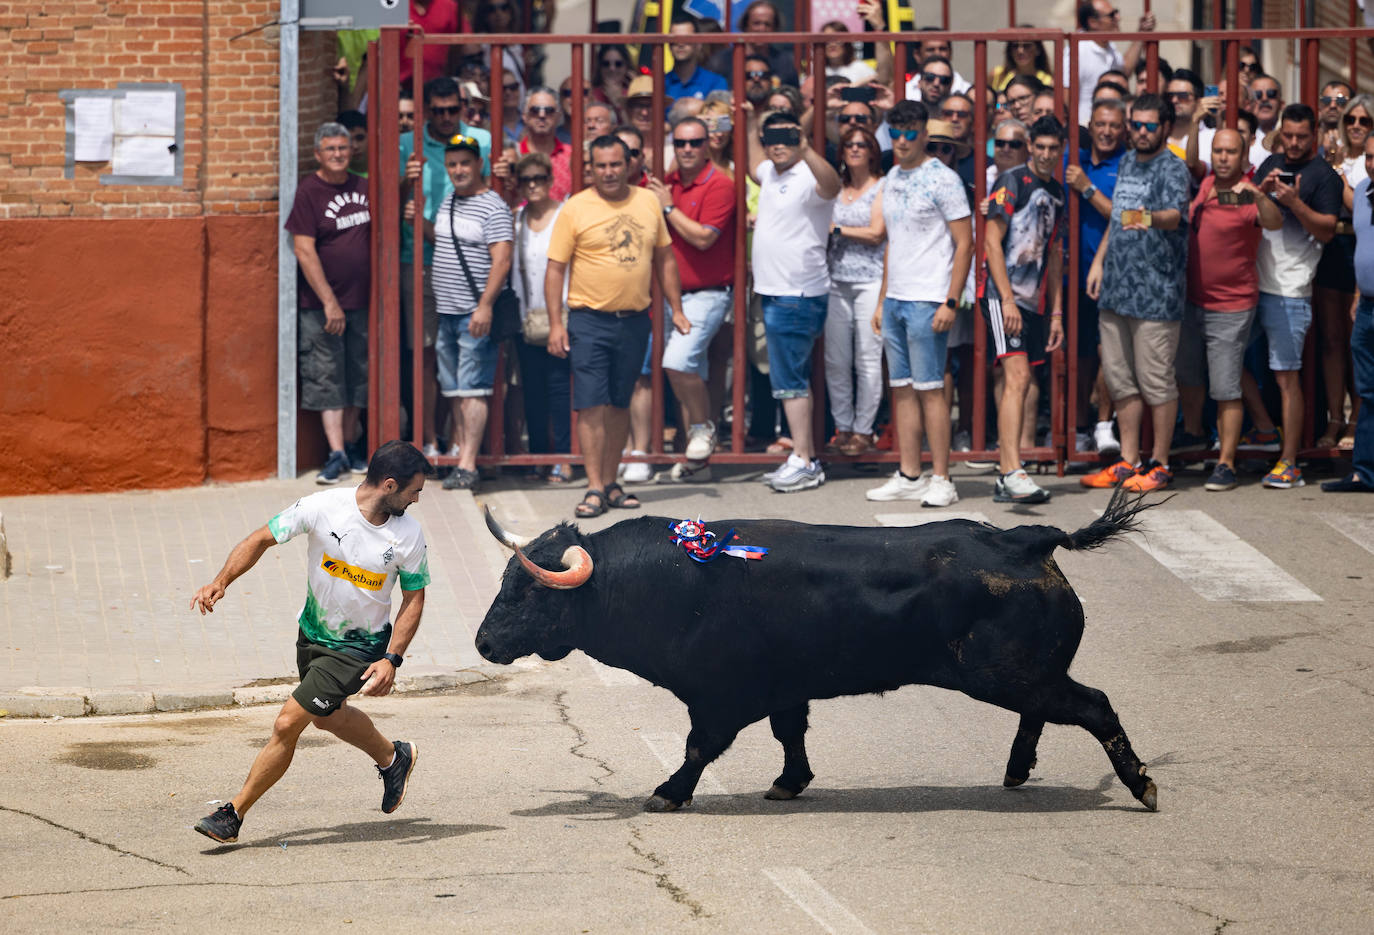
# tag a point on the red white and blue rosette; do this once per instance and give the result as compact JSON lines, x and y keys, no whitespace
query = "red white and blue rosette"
{"x":702,"y":545}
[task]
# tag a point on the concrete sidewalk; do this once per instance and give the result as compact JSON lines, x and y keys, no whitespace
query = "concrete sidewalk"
{"x":95,"y":618}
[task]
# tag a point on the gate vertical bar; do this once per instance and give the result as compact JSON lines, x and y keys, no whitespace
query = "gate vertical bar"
{"x":420,"y":416}
{"x":388,"y":218}
{"x":374,"y":304}
{"x":739,"y":419}
{"x":496,"y":412}
{"x":288,"y":63}
{"x":656,"y":299}
{"x":980,"y":174}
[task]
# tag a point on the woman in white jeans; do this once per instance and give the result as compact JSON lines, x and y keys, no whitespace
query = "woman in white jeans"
{"x":853,"y":353}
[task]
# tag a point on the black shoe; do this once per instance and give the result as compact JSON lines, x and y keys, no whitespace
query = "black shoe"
{"x":461,"y":479}
{"x":223,"y":826}
{"x":1187,"y":441}
{"x":1351,"y":484}
{"x":1223,"y":478}
{"x":333,"y":469}
{"x":396,"y":777}
{"x":357,"y":457}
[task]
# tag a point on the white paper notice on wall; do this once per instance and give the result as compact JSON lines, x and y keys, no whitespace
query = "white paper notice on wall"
{"x":146,"y":113}
{"x":144,"y":155}
{"x":94,"y":129}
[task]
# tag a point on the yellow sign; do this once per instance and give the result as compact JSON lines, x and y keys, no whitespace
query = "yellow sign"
{"x":368,"y":580}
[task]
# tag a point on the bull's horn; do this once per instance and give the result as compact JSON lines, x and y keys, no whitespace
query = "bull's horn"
{"x":509,"y":539}
{"x":576,"y":562}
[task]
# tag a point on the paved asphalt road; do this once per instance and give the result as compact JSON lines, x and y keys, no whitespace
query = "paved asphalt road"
{"x":524,"y":814}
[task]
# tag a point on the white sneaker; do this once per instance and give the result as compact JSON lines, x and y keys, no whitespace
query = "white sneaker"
{"x":431,"y":450}
{"x":636,"y":472}
{"x":1082,"y":441}
{"x":940,"y":493}
{"x":963,"y":441}
{"x":767,"y":476}
{"x":1017,"y":487}
{"x":701,"y":441}
{"x":453,"y":450}
{"x":797,"y":474}
{"x":685,"y":472}
{"x":1105,"y":439}
{"x":900,"y":488}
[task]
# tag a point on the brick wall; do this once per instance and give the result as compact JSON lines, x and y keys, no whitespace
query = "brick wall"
{"x":230,"y":81}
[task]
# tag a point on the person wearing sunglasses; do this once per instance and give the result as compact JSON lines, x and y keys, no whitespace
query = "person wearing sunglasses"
{"x":1024,"y":248}
{"x":542,"y":115}
{"x":934,"y":79}
{"x":688,"y":78}
{"x":926,"y":213}
{"x":699,"y":202}
{"x":1266,"y":103}
{"x":1100,"y":56}
{"x":917,"y":53}
{"x":1331,"y":104}
{"x":611,"y":76}
{"x":1138,"y":279}
{"x":1022,"y":57}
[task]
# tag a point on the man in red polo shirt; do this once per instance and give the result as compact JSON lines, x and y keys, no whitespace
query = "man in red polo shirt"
{"x":699,"y":202}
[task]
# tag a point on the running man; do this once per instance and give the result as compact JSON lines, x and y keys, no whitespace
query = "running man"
{"x":360,"y":543}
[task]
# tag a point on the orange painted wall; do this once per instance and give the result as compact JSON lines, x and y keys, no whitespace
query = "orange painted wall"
{"x":136,"y":353}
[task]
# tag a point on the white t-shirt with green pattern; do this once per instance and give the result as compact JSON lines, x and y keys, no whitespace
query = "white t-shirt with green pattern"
{"x":352,"y":567}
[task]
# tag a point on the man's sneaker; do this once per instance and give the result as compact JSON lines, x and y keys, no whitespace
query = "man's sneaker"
{"x":1017,"y":487}
{"x":1104,"y":439}
{"x":334,"y":469}
{"x":223,"y":826}
{"x":396,"y":777}
{"x":1223,"y":478}
{"x":1184,"y":441}
{"x":357,"y":457}
{"x":461,"y":479}
{"x":797,"y":474}
{"x":431,"y":450}
{"x":1109,"y":476}
{"x":637,"y":472}
{"x":1152,"y":476}
{"x":701,"y":441}
{"x":1257,"y":440}
{"x":1083,"y":441}
{"x":685,"y":472}
{"x":983,"y":465}
{"x":899,"y":487}
{"x":766,"y":477}
{"x":963,"y":441}
{"x":1283,"y":476}
{"x":941,"y":492}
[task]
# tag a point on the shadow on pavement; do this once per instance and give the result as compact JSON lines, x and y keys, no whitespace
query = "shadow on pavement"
{"x":405,"y":831}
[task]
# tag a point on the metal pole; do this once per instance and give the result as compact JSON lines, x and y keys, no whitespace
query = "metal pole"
{"x":288,"y":63}
{"x":387,"y":216}
{"x":980,"y":174}
{"x":658,"y":326}
{"x":1073,"y":259}
{"x":374,"y":326}
{"x":419,"y":415}
{"x":739,"y":418}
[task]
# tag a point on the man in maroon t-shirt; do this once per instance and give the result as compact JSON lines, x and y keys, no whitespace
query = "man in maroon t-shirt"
{"x":699,"y":202}
{"x":1223,"y":292}
{"x":330,"y":224}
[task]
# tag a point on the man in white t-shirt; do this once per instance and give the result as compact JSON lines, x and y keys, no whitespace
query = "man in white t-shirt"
{"x":929,"y":251}
{"x":798,"y":188}
{"x":360,"y":544}
{"x":1101,"y":55}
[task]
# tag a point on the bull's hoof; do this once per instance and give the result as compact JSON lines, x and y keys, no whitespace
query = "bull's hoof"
{"x":781,"y":791}
{"x":1011,"y":782}
{"x":1149,"y":796}
{"x":657,"y":803}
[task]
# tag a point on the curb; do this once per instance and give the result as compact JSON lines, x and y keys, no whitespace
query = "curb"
{"x":77,"y":702}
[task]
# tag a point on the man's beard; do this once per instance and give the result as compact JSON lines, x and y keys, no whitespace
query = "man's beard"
{"x":758,"y":96}
{"x":1150,"y":152}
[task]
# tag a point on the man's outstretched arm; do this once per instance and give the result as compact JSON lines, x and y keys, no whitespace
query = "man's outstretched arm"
{"x":243,"y":557}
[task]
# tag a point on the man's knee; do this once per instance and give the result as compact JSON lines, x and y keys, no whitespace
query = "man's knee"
{"x":291,"y":720}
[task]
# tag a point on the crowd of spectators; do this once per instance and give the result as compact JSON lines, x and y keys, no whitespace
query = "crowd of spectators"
{"x":1205,"y":253}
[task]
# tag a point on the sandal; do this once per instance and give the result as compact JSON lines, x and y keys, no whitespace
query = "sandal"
{"x":626,"y":501}
{"x":1347,"y":442}
{"x":560,"y":474}
{"x":587,"y":508}
{"x":1331,"y":437}
{"x":857,"y":445}
{"x":782,"y":446}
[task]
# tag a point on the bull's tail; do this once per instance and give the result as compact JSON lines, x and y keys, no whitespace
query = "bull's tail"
{"x":1121,"y":516}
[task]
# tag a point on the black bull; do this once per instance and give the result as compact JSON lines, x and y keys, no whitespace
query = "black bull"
{"x":830,"y":611}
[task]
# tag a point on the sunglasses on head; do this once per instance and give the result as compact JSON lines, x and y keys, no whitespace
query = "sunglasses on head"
{"x":1149,"y":126}
{"x":1326,"y":100}
{"x":446,"y":111}
{"x":929,"y":77}
{"x":1009,"y":144}
{"x":1260,"y":94}
{"x":908,"y":135}
{"x":688,"y":144}
{"x":537,"y":111}
{"x":540,"y":179}
{"x":852,"y":118}
{"x":1351,"y":120}
{"x":461,"y":140}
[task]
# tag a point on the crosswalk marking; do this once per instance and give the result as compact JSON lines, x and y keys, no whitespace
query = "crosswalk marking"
{"x":813,"y":899}
{"x":927,"y":516}
{"x":669,"y":748}
{"x":1358,"y":529}
{"x":1213,"y":561}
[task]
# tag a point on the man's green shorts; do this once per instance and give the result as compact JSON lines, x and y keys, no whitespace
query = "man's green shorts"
{"x":327,"y":677}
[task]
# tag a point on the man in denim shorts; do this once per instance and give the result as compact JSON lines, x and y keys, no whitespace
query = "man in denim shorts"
{"x":791,"y":277}
{"x":929,"y":251}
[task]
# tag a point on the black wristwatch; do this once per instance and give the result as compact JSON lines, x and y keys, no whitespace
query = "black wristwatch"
{"x":952,"y":304}
{"x":394,"y":659}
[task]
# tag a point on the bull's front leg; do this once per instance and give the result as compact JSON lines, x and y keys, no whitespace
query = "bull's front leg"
{"x":789,"y":727}
{"x":1022,"y":758}
{"x":705,"y":742}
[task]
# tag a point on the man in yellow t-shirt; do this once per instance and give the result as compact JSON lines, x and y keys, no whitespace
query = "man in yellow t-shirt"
{"x":610,"y":239}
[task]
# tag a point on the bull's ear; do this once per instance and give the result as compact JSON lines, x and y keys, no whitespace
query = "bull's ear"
{"x":577,"y":565}
{"x":509,"y":539}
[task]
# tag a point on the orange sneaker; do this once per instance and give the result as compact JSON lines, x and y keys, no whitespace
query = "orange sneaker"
{"x":1109,"y":476}
{"x":1156,"y":478}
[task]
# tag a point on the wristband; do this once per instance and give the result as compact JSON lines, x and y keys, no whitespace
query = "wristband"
{"x":394,"y":659}
{"x":1090,"y":191}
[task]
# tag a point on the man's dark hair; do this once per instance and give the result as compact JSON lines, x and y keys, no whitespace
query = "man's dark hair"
{"x":630,"y":130}
{"x":779,"y":118}
{"x":758,"y":58}
{"x":683,"y":18}
{"x":399,"y":461}
{"x":1165,"y":70}
{"x":1299,"y":113}
{"x":1155,"y":103}
{"x":930,"y":59}
{"x":953,"y":94}
{"x":693,"y":122}
{"x":905,"y":113}
{"x":407,"y":93}
{"x":1085,"y":13}
{"x":1047,"y":126}
{"x":1029,"y":82}
{"x":777,"y":14}
{"x":607,"y":140}
{"x":1338,"y":83}
{"x":1116,"y":86}
{"x":1113,"y":71}
{"x":352,"y":119}
{"x":1190,"y":76}
{"x":443,"y":86}
{"x":1244,"y":116}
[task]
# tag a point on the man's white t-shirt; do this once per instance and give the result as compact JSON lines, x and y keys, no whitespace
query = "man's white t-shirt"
{"x":1093,"y":62}
{"x":917,"y":206}
{"x":791,"y":233}
{"x":352,"y":566}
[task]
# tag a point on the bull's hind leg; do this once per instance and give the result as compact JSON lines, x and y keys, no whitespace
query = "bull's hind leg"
{"x":1072,"y":703}
{"x":1022,"y":759}
{"x":705,"y":742}
{"x":789,"y":727}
